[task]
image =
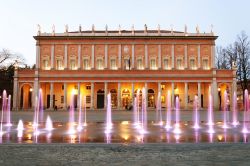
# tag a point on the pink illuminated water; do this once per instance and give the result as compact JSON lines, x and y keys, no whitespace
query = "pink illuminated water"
{"x":108,"y":115}
{"x":235,"y":111}
{"x":8,"y":115}
{"x":135,"y":112}
{"x":4,"y":107}
{"x":79,"y":127}
{"x":225,"y":110}
{"x":20,"y":128}
{"x":72,"y":116}
{"x":177,"y":129}
{"x":158,"y":110}
{"x":246,"y":108}
{"x":84,"y":110}
{"x":143,"y":124}
{"x":196,"y":118}
{"x":168,"y":111}
{"x":49,"y":124}
{"x":210,"y":114}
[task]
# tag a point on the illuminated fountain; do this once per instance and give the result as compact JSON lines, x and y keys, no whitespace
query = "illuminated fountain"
{"x":49,"y":124}
{"x":4,"y":105}
{"x":84,"y":110}
{"x":210,"y":114}
{"x":108,"y":115}
{"x":71,"y":129}
{"x":158,"y":110}
{"x":246,"y":107}
{"x":177,"y":129}
{"x":235,"y":111}
{"x":135,"y":112}
{"x":168,"y":112}
{"x":196,"y":118}
{"x":37,"y":111}
{"x":79,"y":126}
{"x":20,"y":128}
{"x":225,"y":111}
{"x":8,"y":115}
{"x":144,"y":121}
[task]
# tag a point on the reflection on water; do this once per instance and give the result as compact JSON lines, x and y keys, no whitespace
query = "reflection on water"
{"x":123,"y":132}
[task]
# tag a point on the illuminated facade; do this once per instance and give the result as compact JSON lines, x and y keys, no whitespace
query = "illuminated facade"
{"x":94,"y":63}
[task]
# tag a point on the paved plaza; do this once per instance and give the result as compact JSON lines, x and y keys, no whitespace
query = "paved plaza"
{"x":122,"y":154}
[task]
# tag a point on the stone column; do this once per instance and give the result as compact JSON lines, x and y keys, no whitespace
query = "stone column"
{"x":133,"y":57}
{"x":92,"y":95}
{"x":159,"y":57}
{"x":172,"y":94}
{"x":15,"y":91}
{"x":119,"y":56}
{"x":78,"y":94}
{"x":186,"y":95}
{"x":233,"y":92}
{"x":172,"y":54}
{"x":212,"y":56}
{"x":106,"y":57}
{"x":65,"y":56}
{"x":35,"y":90}
{"x":215,"y":94}
{"x":199,"y":56}
{"x":186,"y":57}
{"x":93,"y":56}
{"x":51,"y":95}
{"x":37,"y":56}
{"x":132,"y":92}
{"x":65,"y":96}
{"x":79,"y":57}
{"x":119,"y":96}
{"x":105,"y":94}
{"x":52,"y":56}
{"x":199,"y":95}
{"x":146,"y":56}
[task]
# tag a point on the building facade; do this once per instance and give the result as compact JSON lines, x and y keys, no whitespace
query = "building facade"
{"x":121,"y":62}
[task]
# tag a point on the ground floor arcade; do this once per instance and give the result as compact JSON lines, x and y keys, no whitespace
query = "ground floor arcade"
{"x":62,"y":94}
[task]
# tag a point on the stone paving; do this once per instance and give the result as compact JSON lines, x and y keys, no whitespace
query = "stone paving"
{"x":122,"y":154}
{"x":125,"y":154}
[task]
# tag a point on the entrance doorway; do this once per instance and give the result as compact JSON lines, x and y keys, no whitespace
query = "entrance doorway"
{"x":201,"y":101}
{"x":151,"y":98}
{"x":113,"y":98}
{"x":126,"y":98}
{"x":100,"y":98}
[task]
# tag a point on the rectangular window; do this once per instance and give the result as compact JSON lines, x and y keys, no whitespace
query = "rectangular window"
{"x":88,"y":99}
{"x":205,"y":64}
{"x":126,"y":64}
{"x":85,"y":64}
{"x":192,"y":64}
{"x":45,"y":64}
{"x":139,"y":64}
{"x":113,"y":64}
{"x":72,"y":64}
{"x":179,"y":64}
{"x":88,"y":87}
{"x":165,"y":64}
{"x":152,"y":64}
{"x":58,"y":64}
{"x":99,"y":64}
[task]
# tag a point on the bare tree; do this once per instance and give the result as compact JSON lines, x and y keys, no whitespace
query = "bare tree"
{"x":221,"y":58}
{"x":242,"y":48}
{"x":7,"y":58}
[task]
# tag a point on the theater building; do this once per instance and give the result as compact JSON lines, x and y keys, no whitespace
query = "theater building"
{"x":121,"y":62}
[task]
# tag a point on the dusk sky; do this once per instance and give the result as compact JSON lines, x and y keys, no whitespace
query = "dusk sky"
{"x":19,"y":19}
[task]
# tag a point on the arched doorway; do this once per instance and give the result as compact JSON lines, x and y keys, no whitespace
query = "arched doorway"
{"x":126,"y":98}
{"x":151,"y":98}
{"x":26,"y":96}
{"x":100,"y":98}
{"x":113,"y":93}
{"x":222,"y":88}
{"x":140,"y":95}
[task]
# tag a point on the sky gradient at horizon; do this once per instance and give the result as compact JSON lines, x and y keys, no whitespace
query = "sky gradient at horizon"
{"x":19,"y":19}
